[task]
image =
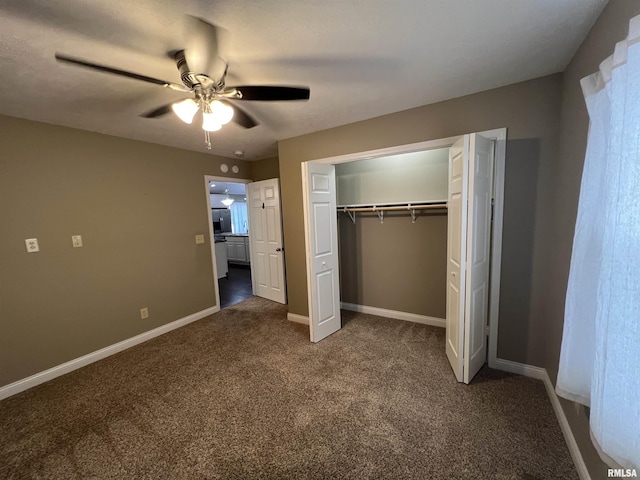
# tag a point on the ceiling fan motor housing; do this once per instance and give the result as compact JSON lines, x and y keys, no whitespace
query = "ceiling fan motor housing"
{"x":188,"y":77}
{"x":193,"y":80}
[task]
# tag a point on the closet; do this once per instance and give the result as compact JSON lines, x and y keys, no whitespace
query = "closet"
{"x":392,"y":223}
{"x":446,"y":271}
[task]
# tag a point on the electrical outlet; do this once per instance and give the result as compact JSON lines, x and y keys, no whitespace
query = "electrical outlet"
{"x":199,"y":239}
{"x":144,"y":313}
{"x":32,"y":245}
{"x":76,"y":241}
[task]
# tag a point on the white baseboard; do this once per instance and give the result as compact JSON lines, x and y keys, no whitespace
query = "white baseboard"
{"x":50,"y":374}
{"x":521,"y":369}
{"x":294,"y":317}
{"x":541,"y":374}
{"x":407,"y":317}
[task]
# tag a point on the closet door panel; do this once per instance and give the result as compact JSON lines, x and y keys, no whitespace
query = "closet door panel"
{"x":478,"y":254}
{"x":321,"y":227}
{"x":456,"y":250}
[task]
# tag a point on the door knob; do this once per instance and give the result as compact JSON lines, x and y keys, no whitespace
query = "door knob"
{"x":453,"y":274}
{"x":280,"y":249}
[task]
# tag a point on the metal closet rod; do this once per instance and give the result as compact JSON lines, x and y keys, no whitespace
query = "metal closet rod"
{"x":374,"y":208}
{"x":351,"y":211}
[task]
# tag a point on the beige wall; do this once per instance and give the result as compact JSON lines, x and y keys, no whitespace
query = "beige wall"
{"x":530,"y":111}
{"x":265,"y":169}
{"x":564,"y":183}
{"x":137,"y":206}
{"x":396,"y":265}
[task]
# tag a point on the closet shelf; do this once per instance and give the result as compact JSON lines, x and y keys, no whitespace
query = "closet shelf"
{"x":408,"y":207}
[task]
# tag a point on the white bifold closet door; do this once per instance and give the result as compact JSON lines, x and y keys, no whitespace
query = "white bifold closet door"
{"x":321,"y":228}
{"x":468,"y":254}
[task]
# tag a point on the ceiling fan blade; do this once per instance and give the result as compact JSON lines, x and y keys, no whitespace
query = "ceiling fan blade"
{"x":116,"y":71}
{"x":202,"y":47}
{"x":272,"y":93}
{"x":158,"y":112}
{"x":241,"y":117}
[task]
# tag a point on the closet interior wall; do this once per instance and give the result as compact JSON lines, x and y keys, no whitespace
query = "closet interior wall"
{"x":395,"y":264}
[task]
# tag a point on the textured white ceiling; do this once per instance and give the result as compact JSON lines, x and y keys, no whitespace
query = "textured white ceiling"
{"x":361,"y":59}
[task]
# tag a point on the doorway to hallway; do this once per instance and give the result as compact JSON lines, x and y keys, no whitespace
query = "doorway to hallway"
{"x":236,"y":286}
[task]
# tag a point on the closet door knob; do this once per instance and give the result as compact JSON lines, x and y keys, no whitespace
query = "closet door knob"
{"x":453,"y":274}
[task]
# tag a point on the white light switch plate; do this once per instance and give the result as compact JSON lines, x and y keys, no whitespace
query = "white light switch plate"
{"x":32,"y":245}
{"x":76,"y":240}
{"x":199,"y":239}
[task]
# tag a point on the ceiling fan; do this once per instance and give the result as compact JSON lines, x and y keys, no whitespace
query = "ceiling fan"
{"x":210,"y":93}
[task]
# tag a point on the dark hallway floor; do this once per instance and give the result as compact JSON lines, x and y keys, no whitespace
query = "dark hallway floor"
{"x":236,"y":287}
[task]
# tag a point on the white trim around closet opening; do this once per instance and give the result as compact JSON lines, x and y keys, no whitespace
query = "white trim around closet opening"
{"x":383,"y":152}
{"x":499,"y":136}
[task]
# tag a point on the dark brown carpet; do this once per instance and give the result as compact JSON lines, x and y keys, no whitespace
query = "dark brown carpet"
{"x":243,"y":394}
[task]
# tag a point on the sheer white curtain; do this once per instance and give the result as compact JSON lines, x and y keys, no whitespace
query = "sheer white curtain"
{"x":600,"y":357}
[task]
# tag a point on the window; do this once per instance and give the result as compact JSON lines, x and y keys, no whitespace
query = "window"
{"x":239,"y":221}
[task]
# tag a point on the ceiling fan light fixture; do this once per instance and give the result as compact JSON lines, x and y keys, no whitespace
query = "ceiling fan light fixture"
{"x":210,"y":93}
{"x":227,"y":201}
{"x":210,"y":123}
{"x":223,"y":113}
{"x":185,"y":110}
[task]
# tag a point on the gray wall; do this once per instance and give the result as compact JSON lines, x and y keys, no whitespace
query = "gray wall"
{"x":531,"y":112}
{"x":137,"y":206}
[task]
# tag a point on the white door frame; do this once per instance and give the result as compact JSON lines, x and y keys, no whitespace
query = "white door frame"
{"x":499,"y":136}
{"x":212,"y":240}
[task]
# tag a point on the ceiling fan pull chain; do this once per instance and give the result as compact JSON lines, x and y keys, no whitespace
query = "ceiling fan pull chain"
{"x":207,"y":139}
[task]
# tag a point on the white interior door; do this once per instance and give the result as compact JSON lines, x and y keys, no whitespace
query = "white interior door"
{"x":468,"y":254}
{"x":321,"y":229}
{"x":265,"y":236}
{"x":478,"y":254}
{"x":456,"y":251}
